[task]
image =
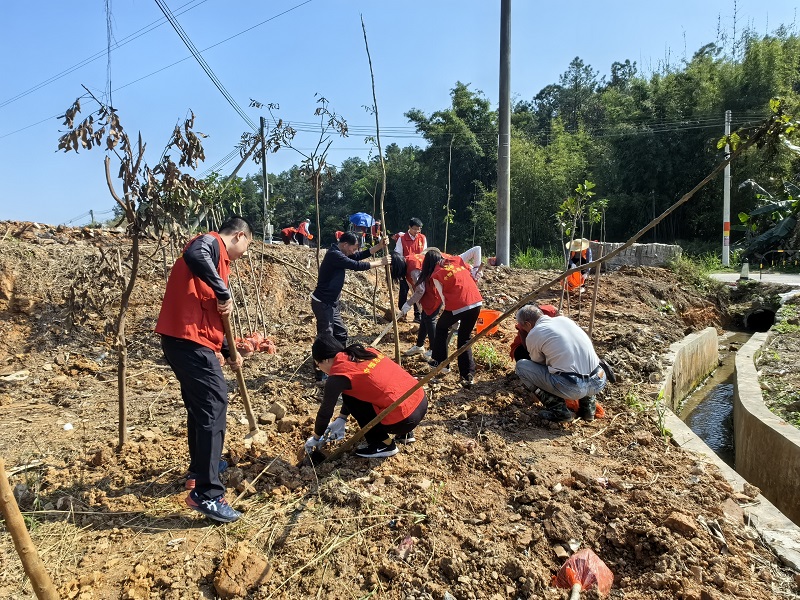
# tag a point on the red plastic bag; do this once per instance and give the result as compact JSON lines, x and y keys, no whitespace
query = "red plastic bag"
{"x":587,"y":569}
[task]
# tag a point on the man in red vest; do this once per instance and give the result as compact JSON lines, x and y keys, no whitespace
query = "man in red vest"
{"x":190,"y":325}
{"x":411,"y":242}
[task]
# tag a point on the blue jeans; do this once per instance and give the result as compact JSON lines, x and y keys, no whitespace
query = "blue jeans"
{"x":536,"y":375}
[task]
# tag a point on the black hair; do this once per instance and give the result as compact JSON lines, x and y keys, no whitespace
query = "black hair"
{"x":326,"y":346}
{"x":398,"y":266}
{"x":348,"y":237}
{"x":432,"y":258}
{"x":235,"y":224}
{"x":414,"y":222}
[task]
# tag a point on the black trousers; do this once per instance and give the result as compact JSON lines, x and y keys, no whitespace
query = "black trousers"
{"x":427,"y":328}
{"x":364,"y":412}
{"x":329,"y":320}
{"x":402,"y":296}
{"x":205,"y":396}
{"x":468,"y":318}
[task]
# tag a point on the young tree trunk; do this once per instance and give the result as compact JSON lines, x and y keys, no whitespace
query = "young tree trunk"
{"x":122,"y":346}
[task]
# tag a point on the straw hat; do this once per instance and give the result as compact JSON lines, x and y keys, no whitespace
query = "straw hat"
{"x":577,"y":245}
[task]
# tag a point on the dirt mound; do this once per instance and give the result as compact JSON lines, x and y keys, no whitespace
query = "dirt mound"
{"x":488,"y":503}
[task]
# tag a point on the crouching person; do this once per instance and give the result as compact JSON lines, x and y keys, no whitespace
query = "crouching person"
{"x":563,"y":364}
{"x":368,"y":382}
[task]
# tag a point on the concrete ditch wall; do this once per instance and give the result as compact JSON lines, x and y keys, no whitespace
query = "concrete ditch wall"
{"x":689,"y":362}
{"x":774,"y":527}
{"x":767,"y":447}
{"x":637,"y":255}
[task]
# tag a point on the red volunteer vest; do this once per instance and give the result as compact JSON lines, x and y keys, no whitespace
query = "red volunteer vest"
{"x":414,"y":246}
{"x":303,"y":229}
{"x":429,"y":302}
{"x":189,"y":309}
{"x":380,"y":382}
{"x":458,"y":287}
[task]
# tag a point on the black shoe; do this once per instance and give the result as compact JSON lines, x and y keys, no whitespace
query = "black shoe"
{"x":379,"y":450}
{"x":587,"y":407}
{"x":217,"y":509}
{"x":406,"y":438}
{"x":557,"y":413}
{"x":416,"y":319}
{"x":468,"y":381}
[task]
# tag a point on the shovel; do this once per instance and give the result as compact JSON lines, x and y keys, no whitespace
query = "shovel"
{"x":255,"y":434}
{"x":581,"y":571}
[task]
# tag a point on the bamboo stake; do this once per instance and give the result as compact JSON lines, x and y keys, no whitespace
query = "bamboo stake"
{"x":31,"y":561}
{"x":383,"y":195}
{"x":244,"y":297}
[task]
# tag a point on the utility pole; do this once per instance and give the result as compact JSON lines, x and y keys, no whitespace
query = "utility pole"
{"x":503,"y":246}
{"x":726,"y":198}
{"x":265,"y":190}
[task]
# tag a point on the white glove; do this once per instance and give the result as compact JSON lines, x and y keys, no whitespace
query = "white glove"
{"x":405,"y":309}
{"x":335,"y":430}
{"x":311,"y":444}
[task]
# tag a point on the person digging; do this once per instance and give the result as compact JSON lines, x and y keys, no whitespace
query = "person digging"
{"x":368,"y":382}
{"x":563,"y":364}
{"x":190,"y":324}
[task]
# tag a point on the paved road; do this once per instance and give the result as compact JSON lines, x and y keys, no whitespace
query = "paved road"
{"x":766,"y":276}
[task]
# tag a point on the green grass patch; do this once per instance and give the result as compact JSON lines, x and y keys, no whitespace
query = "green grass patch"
{"x":487,"y":356}
{"x":534,"y":258}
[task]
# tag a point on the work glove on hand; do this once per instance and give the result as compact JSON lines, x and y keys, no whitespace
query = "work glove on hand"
{"x":311,"y":444}
{"x":404,"y":310}
{"x":335,"y":430}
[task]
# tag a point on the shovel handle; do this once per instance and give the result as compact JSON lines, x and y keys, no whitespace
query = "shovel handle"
{"x":226,"y":325}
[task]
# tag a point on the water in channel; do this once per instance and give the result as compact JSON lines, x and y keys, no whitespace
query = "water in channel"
{"x":708,"y":410}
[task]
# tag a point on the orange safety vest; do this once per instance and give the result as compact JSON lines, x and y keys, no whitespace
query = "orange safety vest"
{"x":302,"y":229}
{"x":410,"y":246}
{"x":458,"y":286}
{"x":189,"y":309}
{"x":379,"y":381}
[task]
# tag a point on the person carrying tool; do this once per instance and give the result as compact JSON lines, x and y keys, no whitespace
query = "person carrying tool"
{"x":368,"y":382}
{"x":563,"y":364}
{"x":455,"y":283}
{"x":341,"y":256}
{"x":580,"y":253}
{"x":303,"y":236}
{"x":410,"y":242}
{"x":190,"y":325}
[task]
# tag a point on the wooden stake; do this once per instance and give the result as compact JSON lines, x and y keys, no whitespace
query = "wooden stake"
{"x":31,"y":561}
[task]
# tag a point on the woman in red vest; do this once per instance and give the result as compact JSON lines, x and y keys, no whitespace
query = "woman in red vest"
{"x":454,"y":282}
{"x":408,"y":269}
{"x":368,"y":382}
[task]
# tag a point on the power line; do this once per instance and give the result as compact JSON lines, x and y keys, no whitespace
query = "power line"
{"x":205,"y":66}
{"x":126,"y":40}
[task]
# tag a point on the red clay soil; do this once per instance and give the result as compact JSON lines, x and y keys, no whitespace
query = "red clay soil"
{"x":488,"y":503}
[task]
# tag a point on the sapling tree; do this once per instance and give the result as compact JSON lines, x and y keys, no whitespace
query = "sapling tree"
{"x":147,"y":195}
{"x":314,"y":165}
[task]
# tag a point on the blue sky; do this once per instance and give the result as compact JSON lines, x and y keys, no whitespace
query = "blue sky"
{"x":286,"y":51}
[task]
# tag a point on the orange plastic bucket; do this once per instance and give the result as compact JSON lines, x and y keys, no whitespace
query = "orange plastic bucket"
{"x":484,"y":318}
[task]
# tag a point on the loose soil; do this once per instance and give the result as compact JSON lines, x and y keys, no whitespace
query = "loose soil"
{"x":487,"y":503}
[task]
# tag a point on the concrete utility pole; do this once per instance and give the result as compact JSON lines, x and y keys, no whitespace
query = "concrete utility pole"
{"x":726,"y":199}
{"x":265,"y":190}
{"x":503,"y":249}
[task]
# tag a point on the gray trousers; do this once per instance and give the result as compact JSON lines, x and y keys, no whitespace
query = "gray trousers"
{"x":536,"y":375}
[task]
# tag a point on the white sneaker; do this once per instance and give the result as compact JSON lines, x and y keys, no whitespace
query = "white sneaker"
{"x":414,"y":350}
{"x":428,"y":354}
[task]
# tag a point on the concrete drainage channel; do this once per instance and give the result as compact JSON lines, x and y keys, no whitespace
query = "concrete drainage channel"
{"x":760,"y":438}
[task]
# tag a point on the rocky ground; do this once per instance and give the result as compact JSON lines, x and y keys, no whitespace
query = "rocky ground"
{"x":488,"y":503}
